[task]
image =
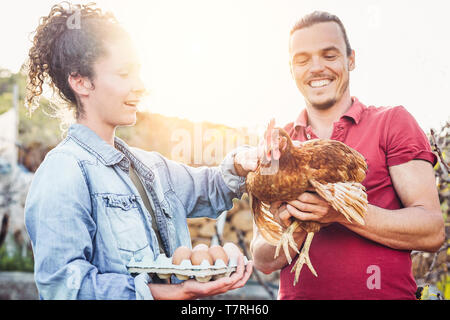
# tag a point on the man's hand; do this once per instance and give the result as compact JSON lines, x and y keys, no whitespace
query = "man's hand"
{"x":308,"y":207}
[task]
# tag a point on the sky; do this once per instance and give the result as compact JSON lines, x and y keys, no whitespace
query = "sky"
{"x":227,"y":61}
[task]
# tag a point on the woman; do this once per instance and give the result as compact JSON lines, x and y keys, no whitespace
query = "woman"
{"x":95,"y":202}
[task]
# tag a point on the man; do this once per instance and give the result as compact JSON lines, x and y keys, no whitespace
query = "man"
{"x":353,"y":261}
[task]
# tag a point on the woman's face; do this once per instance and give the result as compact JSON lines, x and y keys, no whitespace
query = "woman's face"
{"x":117,"y":86}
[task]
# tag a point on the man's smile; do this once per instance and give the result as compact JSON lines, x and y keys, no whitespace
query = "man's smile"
{"x":319,"y":83}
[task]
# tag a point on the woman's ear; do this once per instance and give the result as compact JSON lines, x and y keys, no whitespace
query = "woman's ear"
{"x":81,"y":86}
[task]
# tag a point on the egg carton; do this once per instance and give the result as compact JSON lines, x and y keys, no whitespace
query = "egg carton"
{"x":164,"y":268}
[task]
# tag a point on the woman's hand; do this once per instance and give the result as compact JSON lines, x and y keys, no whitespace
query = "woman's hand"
{"x":246,"y":161}
{"x":192,"y":289}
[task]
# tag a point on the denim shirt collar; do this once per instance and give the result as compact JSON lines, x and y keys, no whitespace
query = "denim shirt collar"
{"x":102,"y":150}
{"x":121,"y":156}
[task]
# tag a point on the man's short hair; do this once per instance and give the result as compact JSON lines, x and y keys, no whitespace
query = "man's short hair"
{"x":318,"y":17}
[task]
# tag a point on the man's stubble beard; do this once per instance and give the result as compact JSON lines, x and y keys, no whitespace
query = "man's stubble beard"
{"x":331,"y":102}
{"x":324,"y":105}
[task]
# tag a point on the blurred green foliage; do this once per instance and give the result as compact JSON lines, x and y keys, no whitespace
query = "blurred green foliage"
{"x":36,"y":128}
{"x":15,"y":261}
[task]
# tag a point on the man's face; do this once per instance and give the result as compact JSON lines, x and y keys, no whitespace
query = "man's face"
{"x":320,"y":65}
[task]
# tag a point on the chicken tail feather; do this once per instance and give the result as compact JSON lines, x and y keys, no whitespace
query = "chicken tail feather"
{"x":348,"y":198}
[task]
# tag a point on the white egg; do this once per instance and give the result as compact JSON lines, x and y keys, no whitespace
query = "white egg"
{"x":232,"y":250}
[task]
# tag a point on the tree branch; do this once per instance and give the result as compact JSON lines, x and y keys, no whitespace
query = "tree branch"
{"x":444,"y":166}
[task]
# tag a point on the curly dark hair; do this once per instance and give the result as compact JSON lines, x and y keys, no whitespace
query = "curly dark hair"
{"x":62,"y":48}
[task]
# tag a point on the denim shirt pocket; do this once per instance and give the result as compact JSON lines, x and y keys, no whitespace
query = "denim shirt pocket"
{"x":127,"y":225}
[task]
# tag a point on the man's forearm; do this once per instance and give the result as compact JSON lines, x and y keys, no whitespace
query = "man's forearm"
{"x":412,"y":228}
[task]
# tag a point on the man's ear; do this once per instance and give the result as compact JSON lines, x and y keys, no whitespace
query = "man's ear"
{"x":81,"y":86}
{"x":351,"y":61}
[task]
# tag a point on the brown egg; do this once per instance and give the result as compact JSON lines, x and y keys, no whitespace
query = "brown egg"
{"x":198,"y":256}
{"x":200,"y":246}
{"x":217,"y":252}
{"x":180,"y":254}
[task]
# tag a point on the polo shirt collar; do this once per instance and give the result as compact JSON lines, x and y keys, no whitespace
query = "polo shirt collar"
{"x":354,"y":113}
{"x":302,"y":119}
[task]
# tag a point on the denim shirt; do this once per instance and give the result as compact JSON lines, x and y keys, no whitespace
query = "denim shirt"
{"x":86,"y":220}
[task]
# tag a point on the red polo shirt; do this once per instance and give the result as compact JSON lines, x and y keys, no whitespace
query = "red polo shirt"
{"x":348,"y":265}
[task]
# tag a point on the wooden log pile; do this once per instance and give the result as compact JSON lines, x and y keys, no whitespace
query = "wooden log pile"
{"x":239,"y":219}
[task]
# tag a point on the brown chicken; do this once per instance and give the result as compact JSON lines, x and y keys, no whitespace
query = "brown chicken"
{"x":328,"y":167}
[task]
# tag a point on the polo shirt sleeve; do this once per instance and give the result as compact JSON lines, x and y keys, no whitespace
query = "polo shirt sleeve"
{"x":405,"y":140}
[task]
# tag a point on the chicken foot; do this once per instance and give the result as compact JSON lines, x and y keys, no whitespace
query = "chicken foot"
{"x":304,"y":258}
{"x":287,"y":239}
